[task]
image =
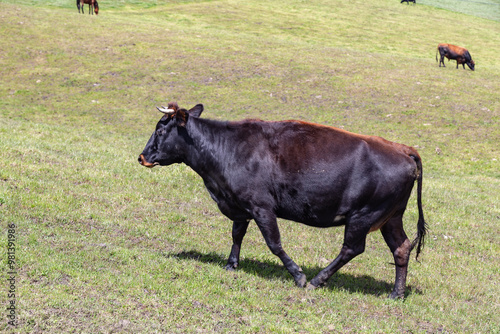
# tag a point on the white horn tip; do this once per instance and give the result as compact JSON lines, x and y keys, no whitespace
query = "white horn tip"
{"x":165,"y":110}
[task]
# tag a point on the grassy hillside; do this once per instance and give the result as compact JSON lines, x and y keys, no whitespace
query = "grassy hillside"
{"x":488,"y":9}
{"x":105,"y":245}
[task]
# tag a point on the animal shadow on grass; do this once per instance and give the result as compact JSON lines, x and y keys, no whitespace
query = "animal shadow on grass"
{"x":270,"y":270}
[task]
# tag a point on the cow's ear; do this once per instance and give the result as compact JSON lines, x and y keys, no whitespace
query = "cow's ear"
{"x":181,"y":116}
{"x":196,"y":110}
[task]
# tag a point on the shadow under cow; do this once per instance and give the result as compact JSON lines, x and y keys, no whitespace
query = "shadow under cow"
{"x":267,"y":269}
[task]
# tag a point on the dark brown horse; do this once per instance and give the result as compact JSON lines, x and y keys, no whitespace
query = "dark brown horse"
{"x":92,"y":5}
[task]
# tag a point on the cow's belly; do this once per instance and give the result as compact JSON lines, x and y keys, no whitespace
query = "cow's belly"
{"x":317,"y":208}
{"x":322,"y":222}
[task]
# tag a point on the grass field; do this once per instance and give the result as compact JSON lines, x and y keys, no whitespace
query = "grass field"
{"x":488,"y":9}
{"x":103,"y":245}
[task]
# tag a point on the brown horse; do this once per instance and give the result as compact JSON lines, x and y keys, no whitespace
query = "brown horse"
{"x":92,"y":4}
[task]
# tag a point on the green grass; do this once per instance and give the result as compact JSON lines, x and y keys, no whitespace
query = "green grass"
{"x":105,"y":245}
{"x":488,"y":9}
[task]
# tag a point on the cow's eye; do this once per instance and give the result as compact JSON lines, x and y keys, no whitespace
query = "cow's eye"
{"x":160,"y":132}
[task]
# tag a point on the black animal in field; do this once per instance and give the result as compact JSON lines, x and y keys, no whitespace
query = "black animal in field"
{"x":309,"y":173}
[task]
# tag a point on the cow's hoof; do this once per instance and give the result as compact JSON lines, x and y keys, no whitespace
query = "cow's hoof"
{"x":394,"y":295}
{"x":301,"y":281}
{"x":230,"y":267}
{"x":310,"y":287}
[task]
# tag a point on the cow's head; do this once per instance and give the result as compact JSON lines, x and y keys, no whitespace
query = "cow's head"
{"x":471,"y":64}
{"x":168,"y":144}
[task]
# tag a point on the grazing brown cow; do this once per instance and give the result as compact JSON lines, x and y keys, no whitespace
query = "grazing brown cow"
{"x":309,"y":173}
{"x":92,"y":5}
{"x":461,"y":55}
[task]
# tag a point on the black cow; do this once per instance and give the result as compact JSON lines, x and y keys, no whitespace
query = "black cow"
{"x":313,"y":174}
{"x":408,"y":1}
{"x":458,"y":53}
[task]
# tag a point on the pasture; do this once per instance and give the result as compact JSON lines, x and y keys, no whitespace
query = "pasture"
{"x":104,"y":245}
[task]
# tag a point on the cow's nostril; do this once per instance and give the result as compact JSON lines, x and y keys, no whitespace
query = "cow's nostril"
{"x":145,"y":163}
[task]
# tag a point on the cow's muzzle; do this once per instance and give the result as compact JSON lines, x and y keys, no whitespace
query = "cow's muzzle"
{"x":143,"y":162}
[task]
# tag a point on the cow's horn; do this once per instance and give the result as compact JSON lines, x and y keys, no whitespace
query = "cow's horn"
{"x":165,"y":110}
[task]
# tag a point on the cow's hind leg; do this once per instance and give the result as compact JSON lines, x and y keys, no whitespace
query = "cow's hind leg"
{"x":239,"y":231}
{"x":354,"y":244}
{"x":400,"y":246}
{"x":266,"y":221}
{"x":442,"y":61}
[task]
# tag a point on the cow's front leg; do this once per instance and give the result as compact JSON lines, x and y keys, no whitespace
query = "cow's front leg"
{"x":266,"y":221}
{"x":239,"y":231}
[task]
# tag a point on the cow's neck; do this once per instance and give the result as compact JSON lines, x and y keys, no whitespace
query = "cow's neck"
{"x":211,"y":145}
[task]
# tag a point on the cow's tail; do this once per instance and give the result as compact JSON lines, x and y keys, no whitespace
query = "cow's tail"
{"x":421,"y":225}
{"x":437,"y":50}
